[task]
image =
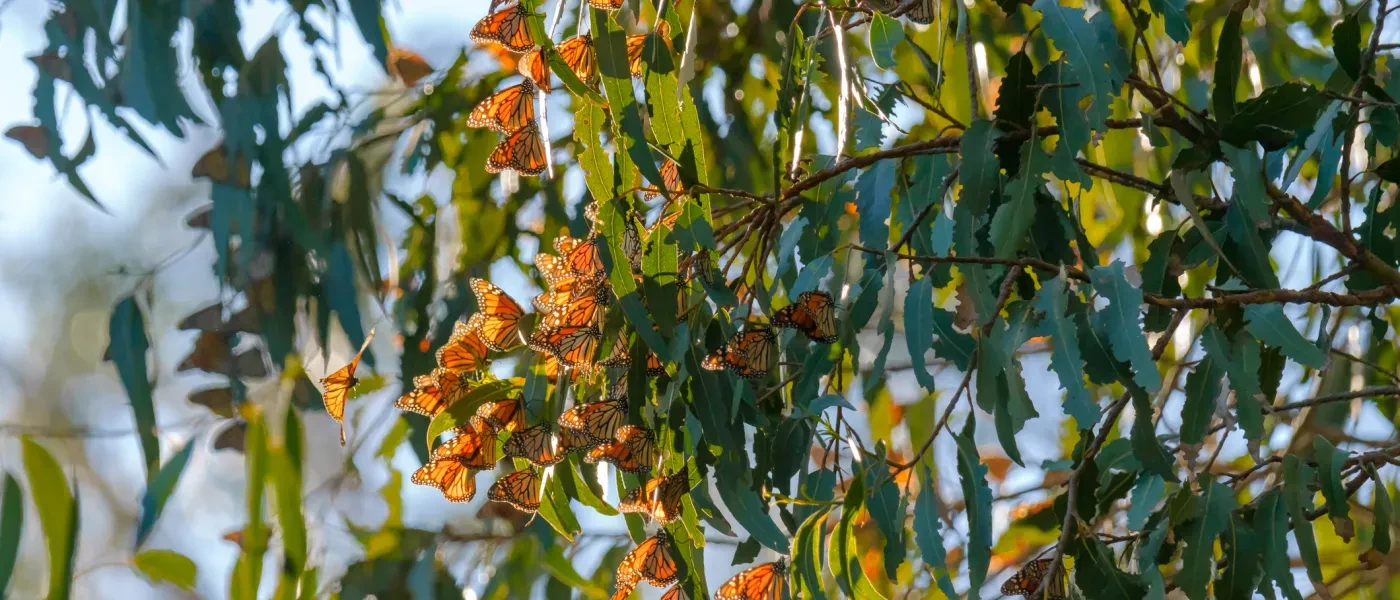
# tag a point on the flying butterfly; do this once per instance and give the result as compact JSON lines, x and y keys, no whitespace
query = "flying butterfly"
{"x":814,"y":313}
{"x":1028,"y":580}
{"x":520,"y":489}
{"x":522,"y":152}
{"x":501,"y":315}
{"x":425,"y":398}
{"x":337,"y":387}
{"x":764,"y":582}
{"x":455,"y":480}
{"x":464,"y":350}
{"x":634,"y":450}
{"x":536,"y":443}
{"x":506,"y":27}
{"x":658,"y":498}
{"x":506,"y":415}
{"x":599,"y":421}
{"x":650,"y":561}
{"x":749,"y":354}
{"x":508,"y":110}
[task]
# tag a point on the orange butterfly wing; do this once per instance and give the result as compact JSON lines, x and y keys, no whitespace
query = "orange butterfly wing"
{"x":814,"y":313}
{"x":583,"y":259}
{"x":456,"y":481}
{"x":675,"y":593}
{"x":1027,"y":581}
{"x":536,"y":444}
{"x":650,"y":561}
{"x":522,"y":152}
{"x":501,"y":314}
{"x":532,"y":64}
{"x":599,"y":421}
{"x":671,"y":178}
{"x":425,"y":398}
{"x":764,"y":582}
{"x":508,"y":414}
{"x":572,"y":345}
{"x":634,"y":450}
{"x":473,"y":448}
{"x":452,"y":385}
{"x":508,"y":110}
{"x":520,"y":489}
{"x":337,"y":387}
{"x":635,"y":44}
{"x":749,"y":354}
{"x":579,"y":54}
{"x":464,"y":351}
{"x":659,"y":498}
{"x":605,"y":4}
{"x":506,"y":27}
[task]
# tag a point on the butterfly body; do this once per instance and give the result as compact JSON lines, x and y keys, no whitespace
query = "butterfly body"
{"x":764,"y":582}
{"x":814,"y":313}
{"x":749,"y":354}
{"x":634,"y":450}
{"x":1027,"y":582}
{"x":337,"y":387}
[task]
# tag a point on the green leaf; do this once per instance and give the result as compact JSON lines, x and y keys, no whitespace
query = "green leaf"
{"x":1330,"y":461}
{"x":927,"y":535}
{"x":610,"y":41}
{"x":159,"y":490}
{"x":1389,"y":170}
{"x":951,"y":344}
{"x":1085,"y":56}
{"x":1096,"y":572}
{"x":554,"y":507}
{"x":58,"y":519}
{"x":1381,"y":509}
{"x":1346,"y":44}
{"x":614,"y":225}
{"x":461,"y":411}
{"x":807,"y":554}
{"x":918,"y":329}
{"x":660,"y":270}
{"x":979,"y":170}
{"x":248,"y":569}
{"x":1173,"y":13}
{"x":1216,"y":501}
{"x":1268,"y":323}
{"x":1015,"y":215}
{"x":885,"y":33}
{"x":1276,"y":116}
{"x":1203,"y":387}
{"x":1146,"y":447}
{"x":1146,"y":494}
{"x":977,"y":495}
{"x":1242,"y":363}
{"x":1229,"y":58}
{"x":343,"y":297}
{"x":166,"y":566}
{"x":286,"y":470}
{"x":593,"y":158}
{"x":1065,"y":359}
{"x":128,"y":348}
{"x":1271,"y":522}
{"x":11,"y":526}
{"x":561,"y":568}
{"x":1298,"y":479}
{"x":695,"y":227}
{"x":1016,"y":100}
{"x":843,"y":556}
{"x":1120,"y":320}
{"x":873,"y":202}
{"x":736,"y":490}
{"x":1240,"y":546}
{"x":887,"y":508}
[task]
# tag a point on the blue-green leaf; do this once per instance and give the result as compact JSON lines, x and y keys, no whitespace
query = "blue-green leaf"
{"x":610,"y":41}
{"x":1086,"y":56}
{"x":11,"y":525}
{"x":1120,"y":320}
{"x":918,"y":329}
{"x":927,"y":535}
{"x":159,"y":490}
{"x":1330,"y":461}
{"x":128,"y":348}
{"x":1065,"y":359}
{"x":1268,"y":323}
{"x":887,"y":508}
{"x":1229,"y":54}
{"x":977,"y":495}
{"x":1242,"y":362}
{"x":1271,"y":521}
{"x":1240,"y":547}
{"x":885,"y":33}
{"x":1203,"y":387}
{"x":1216,"y":501}
{"x":1146,"y":493}
{"x":368,"y":20}
{"x":1382,"y":509}
{"x":1173,"y":13}
{"x":1298,"y":479}
{"x":735,"y":486}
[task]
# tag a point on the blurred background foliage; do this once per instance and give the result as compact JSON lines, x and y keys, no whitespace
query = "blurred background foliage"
{"x":1222,"y":170}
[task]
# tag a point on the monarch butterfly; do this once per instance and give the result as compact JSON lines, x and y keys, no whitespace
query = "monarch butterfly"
{"x":659,"y":498}
{"x":617,"y":356}
{"x":506,"y":27}
{"x":522,"y":152}
{"x":654,"y":366}
{"x":675,"y":593}
{"x":814,"y":313}
{"x":599,"y":421}
{"x":464,"y":350}
{"x":555,"y":272}
{"x":452,"y":385}
{"x":579,"y":54}
{"x":571,"y":440}
{"x":456,"y":481}
{"x":535,"y":66}
{"x":474,"y":447}
{"x":506,"y":414}
{"x":923,"y":12}
{"x":764,"y":582}
{"x":564,"y":244}
{"x":671,"y":178}
{"x":425,"y":398}
{"x":637,"y":43}
{"x":573,"y":345}
{"x":632,"y":244}
{"x":501,"y":315}
{"x":506,"y":111}
{"x":1028,"y":580}
{"x":520,"y":489}
{"x":605,"y":4}
{"x":337,"y":387}
{"x":583,"y":259}
{"x":617,"y":391}
{"x":650,"y":561}
{"x":748,"y":354}
{"x":536,"y":444}
{"x":633,"y":450}
{"x":584,"y":309}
